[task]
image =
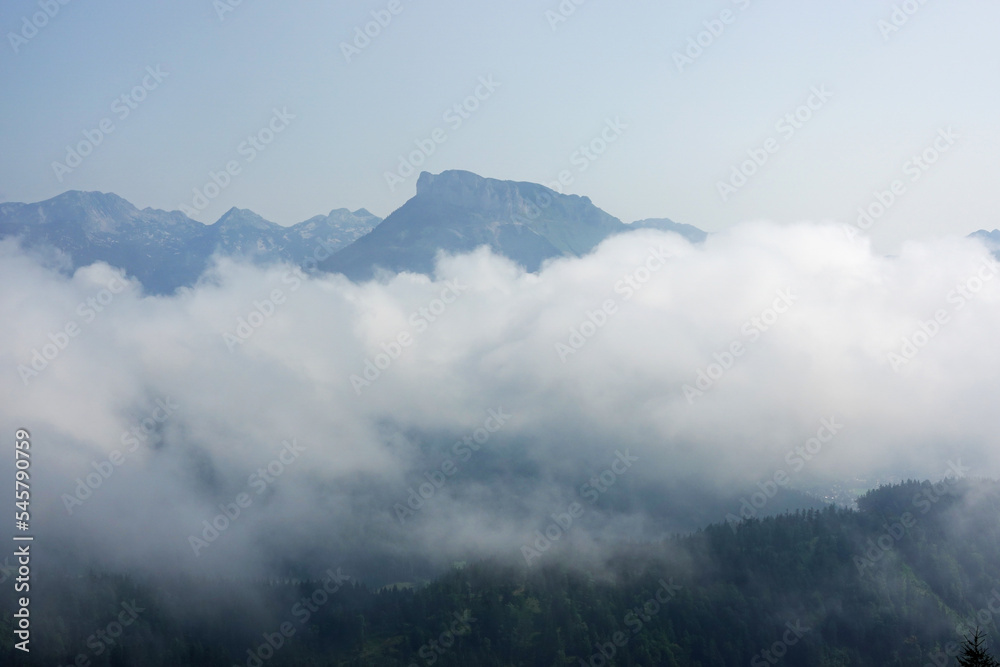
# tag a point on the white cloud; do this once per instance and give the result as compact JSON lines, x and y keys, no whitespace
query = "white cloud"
{"x":493,"y":345}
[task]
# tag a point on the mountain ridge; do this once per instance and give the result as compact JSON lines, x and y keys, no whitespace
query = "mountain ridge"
{"x":454,"y":211}
{"x":459,"y":211}
{"x":166,"y":250}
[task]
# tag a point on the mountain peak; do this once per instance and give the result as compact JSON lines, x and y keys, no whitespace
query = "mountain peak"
{"x":91,"y":200}
{"x":690,"y":232}
{"x":458,"y":211}
{"x":241,"y":218}
{"x":453,"y":184}
{"x":455,"y":211}
{"x":489,"y":196}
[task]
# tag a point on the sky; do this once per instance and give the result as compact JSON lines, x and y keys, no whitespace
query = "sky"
{"x":715,"y":364}
{"x":670,"y":123}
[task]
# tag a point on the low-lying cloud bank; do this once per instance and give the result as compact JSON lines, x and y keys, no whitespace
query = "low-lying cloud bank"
{"x":267,"y":417}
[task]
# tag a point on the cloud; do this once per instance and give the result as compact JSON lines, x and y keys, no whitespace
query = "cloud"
{"x":386,"y":386}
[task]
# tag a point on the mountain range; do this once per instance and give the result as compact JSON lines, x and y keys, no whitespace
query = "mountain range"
{"x":167,"y":250}
{"x":458,"y":211}
{"x":455,"y":211}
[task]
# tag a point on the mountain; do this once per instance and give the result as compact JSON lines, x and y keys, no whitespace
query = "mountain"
{"x":992,"y":239}
{"x":455,"y":211}
{"x":243,"y":233}
{"x":458,"y":211}
{"x":167,"y":250}
{"x":690,"y":232}
{"x":159,"y":248}
{"x":897,"y":582}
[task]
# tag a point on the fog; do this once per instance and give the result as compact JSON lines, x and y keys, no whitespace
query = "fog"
{"x":668,"y":367}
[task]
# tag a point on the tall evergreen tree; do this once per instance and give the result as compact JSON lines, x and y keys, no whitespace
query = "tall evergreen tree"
{"x":974,"y":652}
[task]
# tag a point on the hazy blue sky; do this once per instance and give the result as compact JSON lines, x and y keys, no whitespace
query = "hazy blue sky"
{"x":559,"y":84}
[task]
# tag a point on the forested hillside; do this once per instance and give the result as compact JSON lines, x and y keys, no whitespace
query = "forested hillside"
{"x":896,"y":582}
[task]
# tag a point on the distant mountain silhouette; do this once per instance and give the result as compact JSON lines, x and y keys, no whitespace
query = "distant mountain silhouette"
{"x":167,"y":250}
{"x":458,"y":211}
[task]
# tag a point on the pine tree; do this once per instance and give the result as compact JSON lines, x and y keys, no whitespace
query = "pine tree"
{"x":974,"y":652}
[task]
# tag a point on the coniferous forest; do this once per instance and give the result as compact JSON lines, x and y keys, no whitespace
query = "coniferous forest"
{"x":897,"y":582}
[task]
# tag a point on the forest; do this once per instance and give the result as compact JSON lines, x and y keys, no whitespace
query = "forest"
{"x":899,"y":581}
